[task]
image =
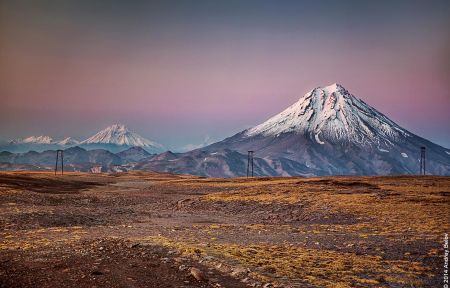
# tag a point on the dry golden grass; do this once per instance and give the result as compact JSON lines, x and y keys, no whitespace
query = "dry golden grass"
{"x":38,"y":238}
{"x":404,"y":204}
{"x":322,"y":268}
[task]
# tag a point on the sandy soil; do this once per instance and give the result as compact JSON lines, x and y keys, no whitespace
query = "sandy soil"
{"x":149,"y":229}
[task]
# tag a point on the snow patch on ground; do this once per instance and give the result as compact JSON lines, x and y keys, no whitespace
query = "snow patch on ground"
{"x":404,"y":155}
{"x":383,"y":150}
{"x":447,"y":152}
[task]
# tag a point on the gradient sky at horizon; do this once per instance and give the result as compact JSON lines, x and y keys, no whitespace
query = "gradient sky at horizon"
{"x":184,"y":73}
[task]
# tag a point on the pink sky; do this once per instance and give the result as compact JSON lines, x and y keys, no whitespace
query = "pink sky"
{"x":179,"y":82}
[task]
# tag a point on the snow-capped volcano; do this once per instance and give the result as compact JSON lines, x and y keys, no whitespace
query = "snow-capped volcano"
{"x":330,"y":131}
{"x":120,"y":135}
{"x":331,"y":113}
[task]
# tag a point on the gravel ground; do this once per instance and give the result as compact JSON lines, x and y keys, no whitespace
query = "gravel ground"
{"x":150,"y":230}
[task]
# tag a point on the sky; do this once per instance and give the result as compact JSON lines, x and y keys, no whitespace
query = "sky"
{"x":187,"y":73}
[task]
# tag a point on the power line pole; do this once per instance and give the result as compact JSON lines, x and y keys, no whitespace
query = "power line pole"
{"x":62,"y":161}
{"x":250,"y":159}
{"x":422,"y":160}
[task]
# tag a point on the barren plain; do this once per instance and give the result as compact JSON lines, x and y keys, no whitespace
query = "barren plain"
{"x":149,"y":229}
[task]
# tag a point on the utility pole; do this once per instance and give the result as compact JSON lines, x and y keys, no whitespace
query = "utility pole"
{"x":250,"y":159}
{"x":422,"y":160}
{"x":62,"y":161}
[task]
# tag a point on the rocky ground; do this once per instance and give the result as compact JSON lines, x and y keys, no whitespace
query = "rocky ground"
{"x":161,"y":230}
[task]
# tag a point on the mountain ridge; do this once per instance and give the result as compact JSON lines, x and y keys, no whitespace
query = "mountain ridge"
{"x":115,"y":138}
{"x":77,"y":159}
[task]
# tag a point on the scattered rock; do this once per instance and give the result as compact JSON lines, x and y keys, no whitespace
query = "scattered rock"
{"x":198,"y":274}
{"x":133,"y":245}
{"x":182,"y":267}
{"x":239,"y":271}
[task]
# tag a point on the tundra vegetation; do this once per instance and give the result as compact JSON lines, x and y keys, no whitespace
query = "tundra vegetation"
{"x":143,"y":229}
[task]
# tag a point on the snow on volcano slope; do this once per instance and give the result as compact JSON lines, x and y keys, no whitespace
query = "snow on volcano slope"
{"x":118,"y":134}
{"x":334,"y":114}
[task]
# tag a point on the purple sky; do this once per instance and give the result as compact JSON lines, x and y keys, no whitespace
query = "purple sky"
{"x":182,"y":72}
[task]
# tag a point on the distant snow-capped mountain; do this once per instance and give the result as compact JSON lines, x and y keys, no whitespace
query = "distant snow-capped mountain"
{"x":33,"y":140}
{"x":45,"y":140}
{"x":120,"y":135}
